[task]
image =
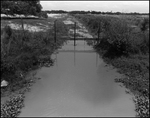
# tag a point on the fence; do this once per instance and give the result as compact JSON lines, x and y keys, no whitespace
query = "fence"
{"x":56,"y":28}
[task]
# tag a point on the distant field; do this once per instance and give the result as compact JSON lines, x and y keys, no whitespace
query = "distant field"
{"x":31,"y":24}
{"x":133,"y":20}
{"x":140,"y":16}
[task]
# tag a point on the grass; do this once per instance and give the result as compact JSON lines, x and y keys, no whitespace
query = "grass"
{"x":41,"y":23}
{"x":22,"y":52}
{"x":127,"y":49}
{"x":136,"y":69}
{"x":34,"y":22}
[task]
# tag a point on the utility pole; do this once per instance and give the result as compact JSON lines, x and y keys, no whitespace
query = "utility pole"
{"x":74,"y":33}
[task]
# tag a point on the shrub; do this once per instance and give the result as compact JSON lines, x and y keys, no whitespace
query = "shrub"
{"x":144,"y":24}
{"x":18,"y":56}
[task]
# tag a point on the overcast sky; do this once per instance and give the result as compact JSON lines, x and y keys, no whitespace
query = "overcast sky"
{"x":114,"y":6}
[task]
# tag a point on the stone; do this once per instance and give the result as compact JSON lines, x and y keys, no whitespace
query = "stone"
{"x":4,"y":83}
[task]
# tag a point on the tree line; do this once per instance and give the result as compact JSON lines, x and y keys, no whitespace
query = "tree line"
{"x":94,"y":12}
{"x":22,"y":7}
{"x":34,"y":7}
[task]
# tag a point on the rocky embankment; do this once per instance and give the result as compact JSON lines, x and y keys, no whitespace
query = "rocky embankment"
{"x":12,"y":107}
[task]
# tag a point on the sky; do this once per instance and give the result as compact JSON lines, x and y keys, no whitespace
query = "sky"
{"x":114,"y":6}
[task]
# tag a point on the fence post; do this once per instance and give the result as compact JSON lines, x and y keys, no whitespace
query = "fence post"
{"x":22,"y":24}
{"x":55,"y":30}
{"x":99,"y":30}
{"x":23,"y":33}
{"x":74,"y":33}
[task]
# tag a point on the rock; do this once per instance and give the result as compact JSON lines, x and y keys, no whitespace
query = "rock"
{"x":4,"y":83}
{"x":12,"y":107}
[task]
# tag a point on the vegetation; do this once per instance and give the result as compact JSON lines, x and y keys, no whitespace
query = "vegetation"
{"x":127,"y":49}
{"x":21,"y":7}
{"x":21,"y":52}
{"x":43,"y":14}
{"x":95,"y":12}
{"x":121,"y":45}
{"x":56,"y":11}
{"x":15,"y":104}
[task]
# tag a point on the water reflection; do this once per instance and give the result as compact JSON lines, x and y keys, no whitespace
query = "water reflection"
{"x":56,"y":60}
{"x":74,"y":55}
{"x":81,"y":47}
{"x":96,"y":59}
{"x":75,"y":86}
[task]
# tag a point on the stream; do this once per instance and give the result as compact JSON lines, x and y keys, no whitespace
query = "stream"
{"x":78,"y":84}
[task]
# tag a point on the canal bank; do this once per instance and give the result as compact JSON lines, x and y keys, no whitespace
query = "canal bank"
{"x":78,"y":84}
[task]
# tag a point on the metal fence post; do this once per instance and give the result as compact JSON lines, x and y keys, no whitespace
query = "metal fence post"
{"x":23,"y":32}
{"x":55,"y":31}
{"x":74,"y":33}
{"x":22,"y":24}
{"x":99,"y":28}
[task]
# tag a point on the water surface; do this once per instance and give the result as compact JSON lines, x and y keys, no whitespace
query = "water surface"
{"x":79,"y":84}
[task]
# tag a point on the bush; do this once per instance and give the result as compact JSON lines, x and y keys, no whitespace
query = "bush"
{"x":20,"y":55}
{"x":118,"y":39}
{"x":43,"y":14}
{"x":144,"y":24}
{"x":128,"y":51}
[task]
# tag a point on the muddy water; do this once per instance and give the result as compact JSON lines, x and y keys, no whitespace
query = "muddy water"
{"x":79,"y":84}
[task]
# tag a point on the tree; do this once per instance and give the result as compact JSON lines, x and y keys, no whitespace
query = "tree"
{"x":21,"y":7}
{"x":43,"y":14}
{"x":6,"y":7}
